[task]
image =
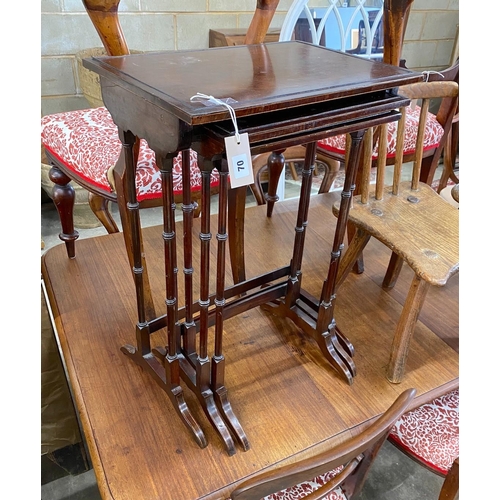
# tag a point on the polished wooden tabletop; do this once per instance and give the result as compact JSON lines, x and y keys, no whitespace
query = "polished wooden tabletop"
{"x":289,"y":399}
{"x":260,"y":78}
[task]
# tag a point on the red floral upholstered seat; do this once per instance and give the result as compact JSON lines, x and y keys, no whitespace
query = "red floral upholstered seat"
{"x":430,"y":433}
{"x":432,"y":136}
{"x":87,"y":143}
{"x":307,"y":487}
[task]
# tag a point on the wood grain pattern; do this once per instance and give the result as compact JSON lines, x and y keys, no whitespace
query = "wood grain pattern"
{"x":104,"y":17}
{"x":261,"y":21}
{"x":261,"y":78}
{"x":396,"y":14}
{"x":139,"y":447}
{"x":388,"y":219}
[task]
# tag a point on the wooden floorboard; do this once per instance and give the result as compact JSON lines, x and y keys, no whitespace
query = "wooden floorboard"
{"x":290,"y":402}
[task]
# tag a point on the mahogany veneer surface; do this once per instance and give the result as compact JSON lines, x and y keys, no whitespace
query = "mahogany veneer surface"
{"x":260,"y":78}
{"x":289,"y":400}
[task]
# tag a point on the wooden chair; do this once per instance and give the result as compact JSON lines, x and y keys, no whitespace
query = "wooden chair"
{"x":293,"y":155}
{"x":390,"y":23}
{"x":409,"y":217}
{"x":437,"y":131}
{"x":429,"y":435}
{"x":394,"y":15}
{"x":450,"y":156}
{"x":339,"y":472}
{"x":83,"y":146}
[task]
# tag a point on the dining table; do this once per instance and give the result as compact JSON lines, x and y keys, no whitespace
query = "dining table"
{"x":290,"y":400}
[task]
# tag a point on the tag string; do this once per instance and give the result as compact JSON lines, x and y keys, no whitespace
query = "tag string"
{"x":201,"y":97}
{"x":427,"y":73}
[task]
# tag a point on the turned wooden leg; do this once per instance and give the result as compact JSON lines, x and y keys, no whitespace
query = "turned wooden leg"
{"x":428,"y":168}
{"x":63,"y":196}
{"x":100,"y":206}
{"x":236,"y":232}
{"x":453,"y":149}
{"x":393,"y":270}
{"x":404,"y":329}
{"x":275,"y":165}
{"x":124,"y":179}
{"x":293,"y":170}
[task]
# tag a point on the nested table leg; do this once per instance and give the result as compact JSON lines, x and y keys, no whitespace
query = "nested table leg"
{"x":294,"y":280}
{"x":218,"y":361}
{"x":124,"y":177}
{"x":203,"y":376}
{"x":202,"y":385}
{"x":188,"y":208}
{"x":313,"y":317}
{"x":181,"y":358}
{"x":168,"y":375}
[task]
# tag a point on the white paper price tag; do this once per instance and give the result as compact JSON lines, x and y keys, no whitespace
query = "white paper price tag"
{"x":239,"y":161}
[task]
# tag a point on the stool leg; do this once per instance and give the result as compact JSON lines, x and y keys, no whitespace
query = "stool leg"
{"x":356,"y":246}
{"x":404,"y":329}
{"x":393,"y":271}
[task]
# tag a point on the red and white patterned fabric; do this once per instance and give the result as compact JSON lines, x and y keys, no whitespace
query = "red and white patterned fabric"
{"x":430,"y":432}
{"x":307,"y":487}
{"x":432,"y":136}
{"x":87,"y":142}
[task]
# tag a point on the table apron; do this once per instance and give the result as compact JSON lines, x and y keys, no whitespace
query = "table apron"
{"x":166,"y":134}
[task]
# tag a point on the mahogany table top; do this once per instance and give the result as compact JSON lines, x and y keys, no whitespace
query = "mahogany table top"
{"x":261,"y":78}
{"x":288,"y":398}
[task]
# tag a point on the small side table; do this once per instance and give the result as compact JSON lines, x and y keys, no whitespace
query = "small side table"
{"x":284,"y":94}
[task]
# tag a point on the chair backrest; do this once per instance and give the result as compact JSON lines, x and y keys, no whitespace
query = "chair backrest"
{"x":371,"y":21}
{"x":423,"y":92}
{"x":104,"y":17}
{"x":355,"y":455}
{"x":261,"y":20}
